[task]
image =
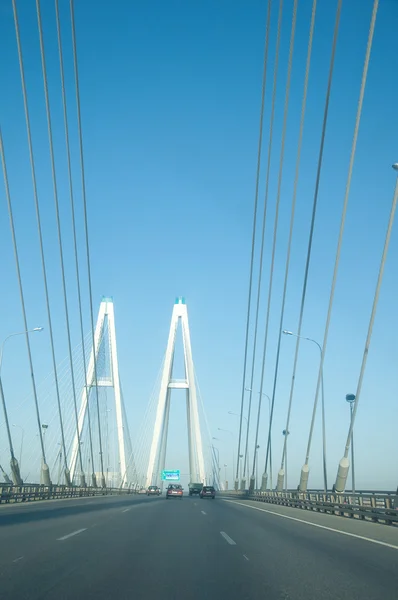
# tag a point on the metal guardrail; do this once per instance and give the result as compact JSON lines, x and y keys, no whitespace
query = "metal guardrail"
{"x":379,"y":507}
{"x":10,"y":494}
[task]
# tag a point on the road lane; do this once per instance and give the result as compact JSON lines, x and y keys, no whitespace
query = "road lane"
{"x":378,"y":531}
{"x":182,"y":548}
{"x":305,"y":562}
{"x":157,"y":548}
{"x":30,"y":527}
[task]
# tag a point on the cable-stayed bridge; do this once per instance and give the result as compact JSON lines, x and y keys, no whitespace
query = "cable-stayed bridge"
{"x":321,"y":275}
{"x":90,"y":444}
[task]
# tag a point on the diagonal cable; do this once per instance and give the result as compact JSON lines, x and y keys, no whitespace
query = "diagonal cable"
{"x":262,"y":244}
{"x":39,"y":228}
{"x":305,"y":471}
{"x":303,"y":109}
{"x":253,"y":233}
{"x":315,"y":200}
{"x":271,"y":129}
{"x":72,"y":204}
{"x":281,"y":162}
{"x":83,"y":182}
{"x":303,"y":483}
{"x":61,"y":254}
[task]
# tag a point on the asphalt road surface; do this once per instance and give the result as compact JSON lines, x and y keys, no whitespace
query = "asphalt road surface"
{"x":134,"y":547}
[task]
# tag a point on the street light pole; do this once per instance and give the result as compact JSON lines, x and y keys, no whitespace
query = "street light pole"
{"x":257,"y":448}
{"x":217,"y":459}
{"x":343,"y":467}
{"x":253,"y":481}
{"x":233,"y":450}
{"x":285,"y":433}
{"x":247,"y":426}
{"x":350,"y":398}
{"x":13,"y":335}
{"x":325,"y":482}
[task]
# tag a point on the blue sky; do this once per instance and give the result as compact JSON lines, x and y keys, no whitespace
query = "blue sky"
{"x":170,"y":97}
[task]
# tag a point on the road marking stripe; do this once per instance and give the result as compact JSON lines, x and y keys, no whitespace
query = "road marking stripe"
{"x":126,"y":509}
{"x":17,"y":559}
{"x":65,"y":537}
{"x":203,"y":512}
{"x":227,"y":538}
{"x":244,"y":556}
{"x":354,"y":535}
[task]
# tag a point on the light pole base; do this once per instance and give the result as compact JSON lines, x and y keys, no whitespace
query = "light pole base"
{"x":68,"y":481}
{"x":16,"y":475}
{"x":45,"y":473}
{"x":281,"y":479}
{"x":342,"y":474}
{"x":93,"y":480}
{"x":103,"y":483}
{"x":264,"y":482}
{"x":236,"y":485}
{"x":252,"y":484}
{"x":305,"y":472}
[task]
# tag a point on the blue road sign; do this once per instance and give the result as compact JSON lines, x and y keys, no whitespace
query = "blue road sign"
{"x":170,"y":475}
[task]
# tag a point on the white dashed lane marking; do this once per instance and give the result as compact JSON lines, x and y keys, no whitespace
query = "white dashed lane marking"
{"x":65,"y":537}
{"x":227,"y":538}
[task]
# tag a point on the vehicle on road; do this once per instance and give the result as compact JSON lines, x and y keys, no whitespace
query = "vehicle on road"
{"x":153,"y":490}
{"x":208,"y":491}
{"x":174,"y":490}
{"x":142,"y":491}
{"x":195,"y":488}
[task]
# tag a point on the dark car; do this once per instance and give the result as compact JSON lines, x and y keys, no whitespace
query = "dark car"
{"x":174,"y":491}
{"x":208,"y":491}
{"x":153,"y":490}
{"x":195,"y":488}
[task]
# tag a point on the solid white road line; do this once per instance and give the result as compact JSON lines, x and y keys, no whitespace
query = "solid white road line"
{"x":244,"y":556}
{"x":65,"y":537}
{"x":227,"y":538}
{"x":203,"y":512}
{"x":354,"y":535}
{"x":126,"y":509}
{"x":17,"y":559}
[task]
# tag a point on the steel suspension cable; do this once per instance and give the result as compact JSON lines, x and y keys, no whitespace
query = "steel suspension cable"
{"x":83,"y":182}
{"x":370,"y":329}
{"x":281,"y":161}
{"x":315,"y":200}
{"x":262,"y":241}
{"x":276,"y":64}
{"x":305,"y":470}
{"x":303,"y":109}
{"x":304,"y":479}
{"x":253,"y":233}
{"x":60,"y":248}
{"x":296,"y":177}
{"x":14,"y":464}
{"x":72,"y":204}
{"x":39,"y":227}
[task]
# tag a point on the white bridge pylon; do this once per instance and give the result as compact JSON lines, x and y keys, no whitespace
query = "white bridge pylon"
{"x":106,"y":314}
{"x":157,"y":455}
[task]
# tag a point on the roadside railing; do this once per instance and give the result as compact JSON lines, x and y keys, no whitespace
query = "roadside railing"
{"x":381,"y":507}
{"x":10,"y":494}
